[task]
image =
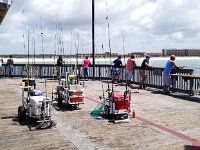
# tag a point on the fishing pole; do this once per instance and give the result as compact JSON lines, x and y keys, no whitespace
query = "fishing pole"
{"x":24,"y":46}
{"x":28,"y":66}
{"x":111,"y":119}
{"x":61,"y":49}
{"x":41,"y":33}
{"x":33,"y":52}
{"x":125,"y":64}
{"x":54,"y":58}
{"x":71,"y":52}
{"x":106,"y":73}
{"x":109,"y":42}
{"x":77,"y":50}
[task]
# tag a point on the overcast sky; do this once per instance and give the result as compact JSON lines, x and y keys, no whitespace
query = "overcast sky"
{"x":146,"y":25}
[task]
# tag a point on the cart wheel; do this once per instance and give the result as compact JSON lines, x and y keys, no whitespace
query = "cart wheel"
{"x":60,"y":100}
{"x":76,"y":106}
{"x":107,"y":110}
{"x":21,"y":113}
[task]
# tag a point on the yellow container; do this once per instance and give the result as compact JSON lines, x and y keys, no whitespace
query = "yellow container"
{"x":21,"y":83}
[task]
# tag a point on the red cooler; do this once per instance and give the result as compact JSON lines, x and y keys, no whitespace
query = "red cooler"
{"x":120,"y":103}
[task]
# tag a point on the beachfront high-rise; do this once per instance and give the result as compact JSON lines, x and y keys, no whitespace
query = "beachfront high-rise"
{"x":181,"y":52}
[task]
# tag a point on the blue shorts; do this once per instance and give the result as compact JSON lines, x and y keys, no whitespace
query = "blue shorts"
{"x":11,"y":69}
{"x":85,"y":72}
{"x":116,"y":72}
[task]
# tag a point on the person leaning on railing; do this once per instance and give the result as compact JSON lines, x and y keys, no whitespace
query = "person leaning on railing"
{"x":130,"y":66}
{"x":167,"y":81}
{"x":59,"y":65}
{"x":143,"y":74}
{"x":10,"y":63}
{"x":1,"y":70}
{"x":116,"y":69}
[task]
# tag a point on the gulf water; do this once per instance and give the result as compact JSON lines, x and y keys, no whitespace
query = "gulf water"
{"x":187,"y":62}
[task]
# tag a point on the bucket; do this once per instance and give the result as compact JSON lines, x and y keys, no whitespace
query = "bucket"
{"x":31,"y":82}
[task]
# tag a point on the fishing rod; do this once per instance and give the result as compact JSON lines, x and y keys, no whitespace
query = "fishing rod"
{"x":125,"y":64}
{"x":71,"y":52}
{"x":111,"y":119}
{"x":126,"y":91}
{"x":33,"y":56}
{"x":24,"y":46}
{"x":54,"y":60}
{"x":28,"y":66}
{"x":106,"y":72}
{"x":109,"y":43}
{"x":41,"y":33}
{"x":77,"y":50}
{"x":61,"y":48}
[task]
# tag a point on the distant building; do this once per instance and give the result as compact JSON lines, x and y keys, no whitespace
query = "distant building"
{"x":137,"y":54}
{"x":98,"y":55}
{"x":181,"y":52}
{"x":155,"y":54}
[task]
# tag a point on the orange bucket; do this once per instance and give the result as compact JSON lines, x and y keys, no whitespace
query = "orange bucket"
{"x":134,"y":114}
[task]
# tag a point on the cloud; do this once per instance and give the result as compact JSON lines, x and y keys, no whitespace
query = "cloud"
{"x":146,"y":25}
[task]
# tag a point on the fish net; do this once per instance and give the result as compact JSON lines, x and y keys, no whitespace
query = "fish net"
{"x":98,"y":111}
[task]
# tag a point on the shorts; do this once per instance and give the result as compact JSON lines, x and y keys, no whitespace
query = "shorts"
{"x":116,"y":72}
{"x":142,"y":72}
{"x":167,"y":80}
{"x":129,"y":75}
{"x":85,"y":72}
{"x":11,"y":70}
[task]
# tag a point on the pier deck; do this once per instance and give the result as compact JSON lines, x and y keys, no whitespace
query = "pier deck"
{"x":163,"y":122}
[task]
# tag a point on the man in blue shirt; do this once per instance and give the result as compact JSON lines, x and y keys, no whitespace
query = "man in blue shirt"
{"x":167,"y":81}
{"x":116,"y":69}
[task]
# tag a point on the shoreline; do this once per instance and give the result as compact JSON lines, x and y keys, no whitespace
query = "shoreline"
{"x":100,"y":59}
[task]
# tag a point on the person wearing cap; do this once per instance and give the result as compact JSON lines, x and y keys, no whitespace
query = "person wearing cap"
{"x":59,"y":66}
{"x":167,"y":81}
{"x":116,"y":69}
{"x":143,"y":75}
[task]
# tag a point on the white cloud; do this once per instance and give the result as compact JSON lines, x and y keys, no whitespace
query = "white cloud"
{"x":146,"y":25}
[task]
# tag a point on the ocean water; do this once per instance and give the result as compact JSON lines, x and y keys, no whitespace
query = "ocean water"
{"x":187,"y":62}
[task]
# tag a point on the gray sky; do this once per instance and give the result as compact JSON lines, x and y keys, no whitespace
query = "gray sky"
{"x":146,"y":25}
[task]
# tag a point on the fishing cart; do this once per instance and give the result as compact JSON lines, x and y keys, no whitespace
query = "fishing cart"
{"x":70,"y":91}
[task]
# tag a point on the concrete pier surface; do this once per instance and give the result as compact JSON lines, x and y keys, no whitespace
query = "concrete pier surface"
{"x":163,"y":122}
